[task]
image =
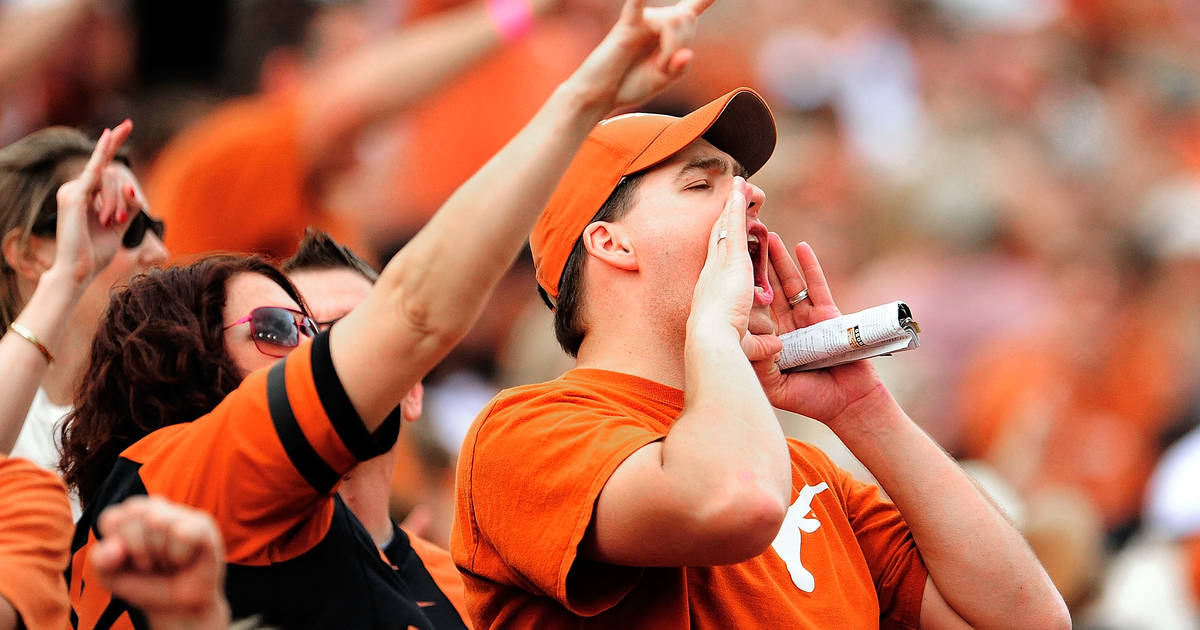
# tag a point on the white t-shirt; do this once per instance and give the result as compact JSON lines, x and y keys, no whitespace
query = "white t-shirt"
{"x":38,"y":440}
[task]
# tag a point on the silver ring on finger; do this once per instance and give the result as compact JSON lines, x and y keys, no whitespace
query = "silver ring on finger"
{"x":799,"y":297}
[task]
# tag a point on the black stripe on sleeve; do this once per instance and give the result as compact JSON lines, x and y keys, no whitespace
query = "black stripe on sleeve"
{"x":304,"y":457}
{"x":341,"y":412}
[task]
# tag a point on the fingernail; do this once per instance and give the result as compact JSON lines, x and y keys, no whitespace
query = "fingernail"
{"x":130,"y":192}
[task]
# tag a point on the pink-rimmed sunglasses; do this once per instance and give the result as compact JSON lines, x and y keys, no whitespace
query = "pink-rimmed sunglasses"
{"x":276,"y":330}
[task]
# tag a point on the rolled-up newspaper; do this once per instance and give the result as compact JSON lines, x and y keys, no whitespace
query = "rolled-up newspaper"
{"x":879,"y":330}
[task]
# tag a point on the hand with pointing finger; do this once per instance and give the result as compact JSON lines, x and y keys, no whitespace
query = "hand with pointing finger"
{"x":93,"y":209}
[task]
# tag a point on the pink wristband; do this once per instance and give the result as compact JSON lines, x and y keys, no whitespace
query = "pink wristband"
{"x":511,"y":18}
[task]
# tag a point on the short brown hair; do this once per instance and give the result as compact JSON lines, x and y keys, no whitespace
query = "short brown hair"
{"x":318,"y":250}
{"x":569,"y":326}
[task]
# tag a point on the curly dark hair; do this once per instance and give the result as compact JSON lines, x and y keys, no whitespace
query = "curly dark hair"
{"x":158,"y":359}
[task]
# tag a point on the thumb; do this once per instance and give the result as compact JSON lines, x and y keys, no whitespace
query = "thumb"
{"x":760,"y":347}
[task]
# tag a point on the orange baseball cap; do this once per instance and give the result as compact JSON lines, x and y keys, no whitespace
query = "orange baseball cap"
{"x":739,"y":123}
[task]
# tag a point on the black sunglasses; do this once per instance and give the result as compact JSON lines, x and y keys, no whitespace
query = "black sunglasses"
{"x":276,"y":330}
{"x":135,"y":232}
{"x":138,"y":226}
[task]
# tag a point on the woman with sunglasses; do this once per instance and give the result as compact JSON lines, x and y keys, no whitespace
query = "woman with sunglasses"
{"x":35,"y":516}
{"x":186,"y":398}
{"x":35,"y":257}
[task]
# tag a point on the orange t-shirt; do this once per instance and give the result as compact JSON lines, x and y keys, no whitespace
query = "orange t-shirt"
{"x":35,"y":534}
{"x":533,"y":466}
{"x":237,"y":181}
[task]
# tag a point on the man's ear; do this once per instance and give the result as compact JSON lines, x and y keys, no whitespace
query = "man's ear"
{"x":28,"y":257}
{"x":611,"y":243}
{"x":410,"y":407}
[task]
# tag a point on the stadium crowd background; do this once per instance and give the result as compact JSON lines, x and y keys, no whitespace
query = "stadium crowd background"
{"x":1024,"y":173}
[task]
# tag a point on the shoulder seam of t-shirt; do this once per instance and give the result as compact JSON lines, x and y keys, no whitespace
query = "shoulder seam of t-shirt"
{"x":341,"y":412}
{"x":303,"y":456}
{"x":484,"y":415}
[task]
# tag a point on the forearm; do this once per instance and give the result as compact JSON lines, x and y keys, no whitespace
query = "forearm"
{"x":430,"y":293}
{"x":728,"y":440}
{"x":392,"y":74}
{"x":979,"y":562}
{"x":46,"y":316}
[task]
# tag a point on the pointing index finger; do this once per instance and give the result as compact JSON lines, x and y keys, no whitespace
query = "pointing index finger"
{"x":102,"y":155}
{"x":631,"y":13}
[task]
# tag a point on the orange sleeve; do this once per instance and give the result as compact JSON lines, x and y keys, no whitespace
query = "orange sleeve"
{"x":35,"y":539}
{"x":896,"y":566}
{"x":545,"y":462}
{"x":238,"y":181}
{"x":268,"y":459}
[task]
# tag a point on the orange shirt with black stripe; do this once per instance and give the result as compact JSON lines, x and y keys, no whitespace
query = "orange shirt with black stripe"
{"x":266,"y":463}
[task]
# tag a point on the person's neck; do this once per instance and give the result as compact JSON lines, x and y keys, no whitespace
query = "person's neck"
{"x":625,"y":346}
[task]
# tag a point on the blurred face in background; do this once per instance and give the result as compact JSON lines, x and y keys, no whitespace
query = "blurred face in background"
{"x":331,"y":293}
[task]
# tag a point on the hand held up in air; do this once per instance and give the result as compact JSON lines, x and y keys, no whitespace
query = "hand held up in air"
{"x":646,"y":50}
{"x":93,"y":209}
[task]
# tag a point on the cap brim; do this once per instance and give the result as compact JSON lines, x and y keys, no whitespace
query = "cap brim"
{"x":739,"y":123}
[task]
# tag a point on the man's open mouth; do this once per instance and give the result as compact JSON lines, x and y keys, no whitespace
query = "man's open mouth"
{"x":756,"y":243}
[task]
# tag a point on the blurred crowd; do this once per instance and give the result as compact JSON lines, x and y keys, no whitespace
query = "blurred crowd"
{"x":1025,"y":174}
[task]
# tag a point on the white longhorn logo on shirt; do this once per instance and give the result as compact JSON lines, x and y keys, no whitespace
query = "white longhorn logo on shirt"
{"x":787,"y":541}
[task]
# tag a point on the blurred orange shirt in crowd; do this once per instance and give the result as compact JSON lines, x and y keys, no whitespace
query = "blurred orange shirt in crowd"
{"x":35,"y":536}
{"x":1047,"y":417}
{"x":237,"y":181}
{"x":460,"y":127}
{"x":1193,"y":562}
